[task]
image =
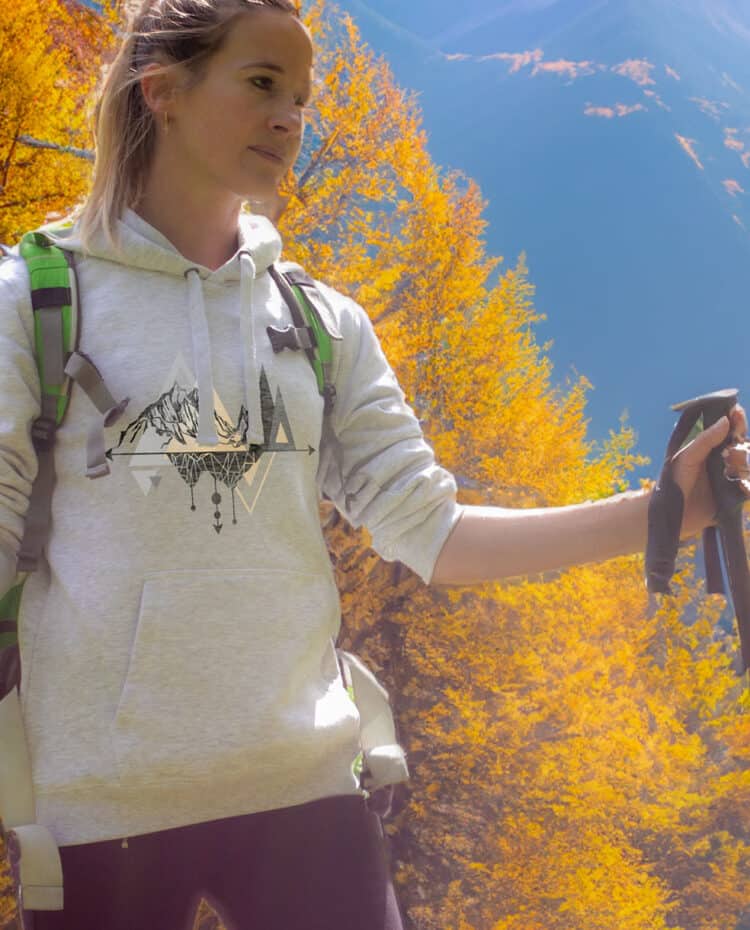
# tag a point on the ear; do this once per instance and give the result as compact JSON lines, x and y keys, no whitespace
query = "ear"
{"x":159,"y":88}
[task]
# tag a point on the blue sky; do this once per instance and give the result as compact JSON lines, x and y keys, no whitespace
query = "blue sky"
{"x":612,"y":141}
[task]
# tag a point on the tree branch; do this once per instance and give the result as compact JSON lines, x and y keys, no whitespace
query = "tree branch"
{"x":308,"y":172}
{"x":23,"y":203}
{"x":66,"y":149}
{"x":8,"y":160}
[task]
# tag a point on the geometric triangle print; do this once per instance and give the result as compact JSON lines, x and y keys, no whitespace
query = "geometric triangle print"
{"x":280,"y":438}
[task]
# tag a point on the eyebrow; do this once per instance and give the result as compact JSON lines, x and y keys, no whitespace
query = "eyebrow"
{"x":264,"y":64}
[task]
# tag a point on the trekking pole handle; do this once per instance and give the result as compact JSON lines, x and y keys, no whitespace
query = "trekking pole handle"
{"x":729,"y":497}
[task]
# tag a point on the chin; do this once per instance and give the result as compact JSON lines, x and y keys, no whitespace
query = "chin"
{"x":261,"y":192}
{"x":271,"y":209}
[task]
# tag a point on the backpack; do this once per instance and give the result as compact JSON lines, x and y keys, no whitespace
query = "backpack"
{"x":381,"y":762}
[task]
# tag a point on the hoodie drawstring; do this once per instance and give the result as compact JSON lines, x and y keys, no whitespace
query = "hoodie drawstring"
{"x":202,"y":359}
{"x":250,"y":373}
{"x":202,"y":356}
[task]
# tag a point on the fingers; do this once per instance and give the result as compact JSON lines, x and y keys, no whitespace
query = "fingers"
{"x":717,"y":432}
{"x":696,"y":451}
{"x":738,"y":420}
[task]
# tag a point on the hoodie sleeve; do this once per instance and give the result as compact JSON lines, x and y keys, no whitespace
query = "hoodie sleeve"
{"x":20,"y":393}
{"x":375,"y":463}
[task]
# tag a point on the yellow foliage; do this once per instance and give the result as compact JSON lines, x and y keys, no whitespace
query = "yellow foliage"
{"x":551,"y":727}
{"x":49,"y":57}
{"x":9,"y":917}
{"x":576,"y":763}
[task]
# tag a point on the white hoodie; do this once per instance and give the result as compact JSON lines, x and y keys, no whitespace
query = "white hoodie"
{"x":177,"y":641}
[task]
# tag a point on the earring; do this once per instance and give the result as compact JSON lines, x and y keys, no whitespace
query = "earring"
{"x":166,"y":122}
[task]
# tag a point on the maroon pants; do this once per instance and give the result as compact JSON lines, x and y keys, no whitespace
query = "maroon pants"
{"x":316,"y":866}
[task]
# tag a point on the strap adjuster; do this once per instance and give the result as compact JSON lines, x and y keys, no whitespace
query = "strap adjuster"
{"x":43,"y":431}
{"x":42,"y":297}
{"x":329,"y":396}
{"x":291,"y":337}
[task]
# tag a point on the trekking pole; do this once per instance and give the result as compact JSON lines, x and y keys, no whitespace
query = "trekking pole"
{"x":729,"y":479}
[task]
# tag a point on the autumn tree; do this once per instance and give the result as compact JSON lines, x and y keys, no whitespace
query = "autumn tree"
{"x":576,"y":761}
{"x":50,"y":56}
{"x":552,"y":747}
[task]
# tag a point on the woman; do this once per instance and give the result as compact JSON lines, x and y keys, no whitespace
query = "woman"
{"x":187,"y":722}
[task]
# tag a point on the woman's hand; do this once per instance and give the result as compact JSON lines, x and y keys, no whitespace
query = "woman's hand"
{"x":492,"y":543}
{"x":689,"y":470}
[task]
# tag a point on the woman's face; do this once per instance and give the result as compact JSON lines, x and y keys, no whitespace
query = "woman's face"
{"x":251,"y":94}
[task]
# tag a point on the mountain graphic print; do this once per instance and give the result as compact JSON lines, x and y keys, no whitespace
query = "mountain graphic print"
{"x":165,"y":433}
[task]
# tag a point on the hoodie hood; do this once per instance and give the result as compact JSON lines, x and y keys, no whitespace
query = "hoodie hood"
{"x":144,"y":247}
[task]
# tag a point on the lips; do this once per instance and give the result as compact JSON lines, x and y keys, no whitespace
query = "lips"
{"x":267,"y":153}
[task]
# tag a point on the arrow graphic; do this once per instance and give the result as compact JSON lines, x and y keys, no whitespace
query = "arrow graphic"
{"x":110,"y":454}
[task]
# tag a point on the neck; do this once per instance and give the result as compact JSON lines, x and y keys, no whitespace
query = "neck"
{"x":201,"y":224}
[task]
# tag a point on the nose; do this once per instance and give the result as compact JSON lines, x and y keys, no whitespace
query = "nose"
{"x":289,"y":118}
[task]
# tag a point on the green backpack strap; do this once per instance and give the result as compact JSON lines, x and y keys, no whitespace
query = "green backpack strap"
{"x":10,"y":663}
{"x":55,"y":303}
{"x":54,"y":299}
{"x":314,"y":328}
{"x":55,"y":306}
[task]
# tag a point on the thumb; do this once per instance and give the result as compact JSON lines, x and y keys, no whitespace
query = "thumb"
{"x":707,"y":440}
{"x":717,"y":433}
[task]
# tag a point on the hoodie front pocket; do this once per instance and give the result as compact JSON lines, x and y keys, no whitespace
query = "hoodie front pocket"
{"x":226,"y":666}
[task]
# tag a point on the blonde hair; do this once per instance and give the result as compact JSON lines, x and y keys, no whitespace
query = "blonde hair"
{"x":165,"y":33}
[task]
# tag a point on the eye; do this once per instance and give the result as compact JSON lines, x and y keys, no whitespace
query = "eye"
{"x":263,"y":78}
{"x":300,"y":102}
